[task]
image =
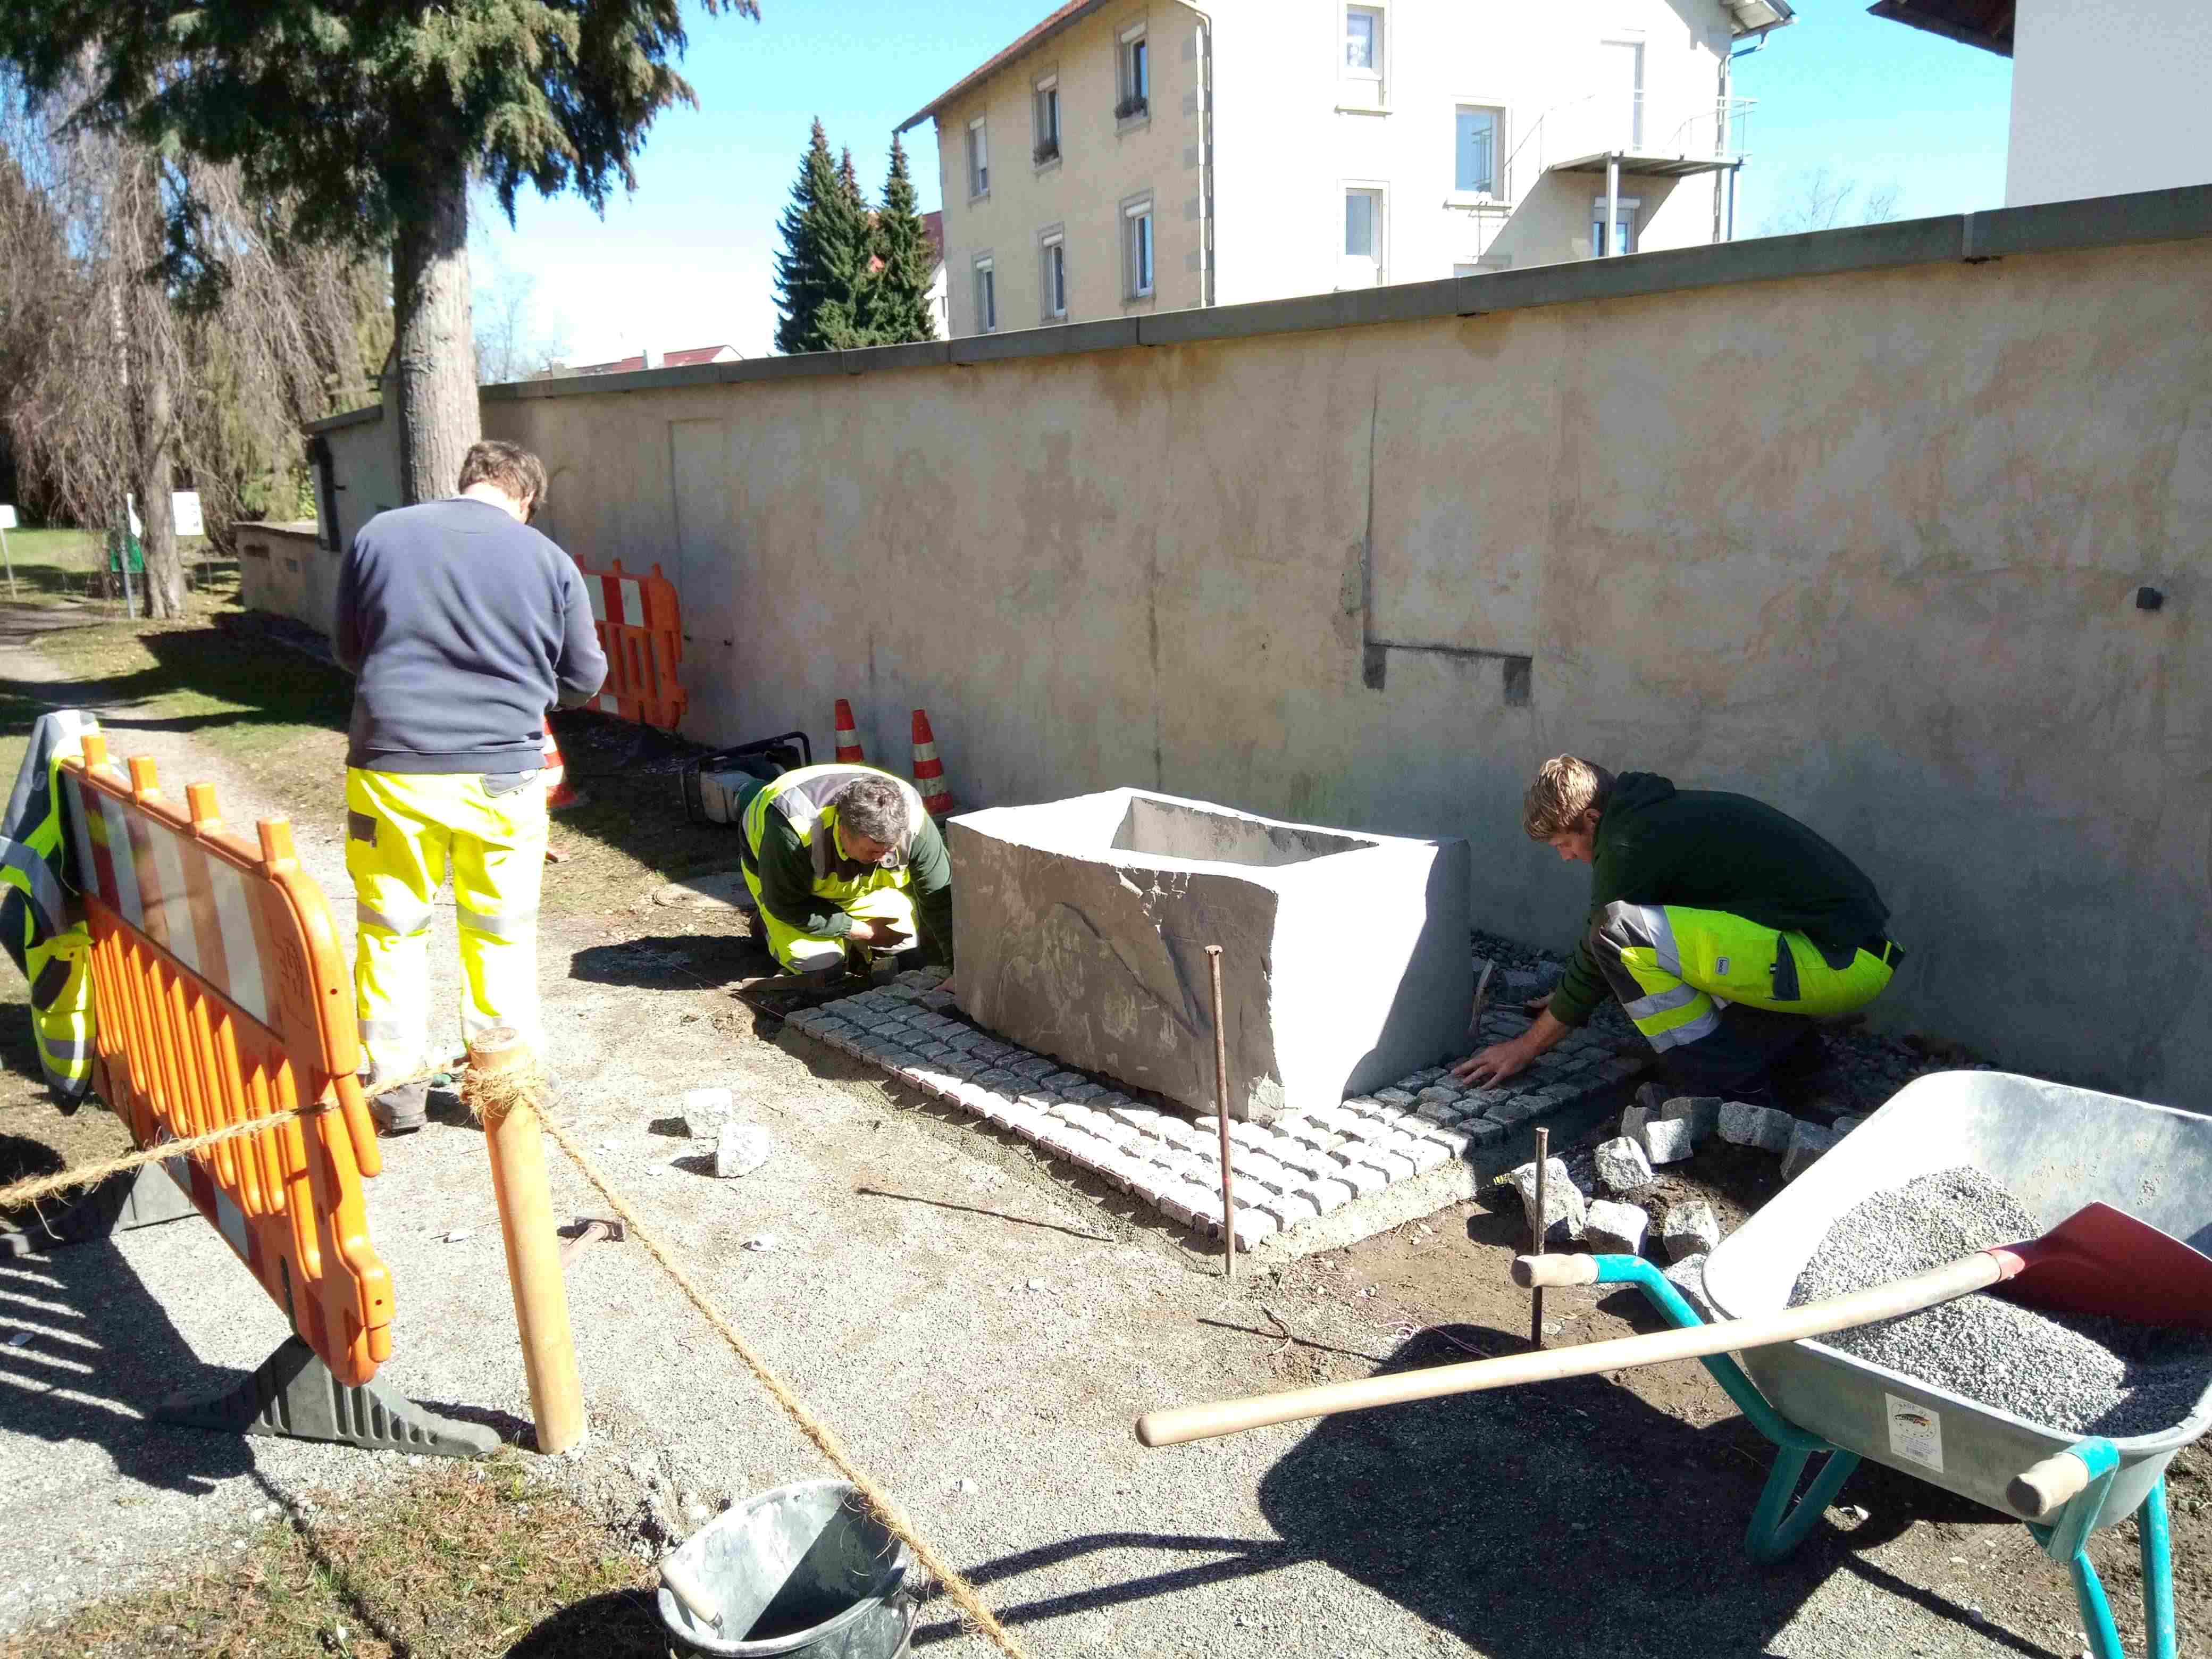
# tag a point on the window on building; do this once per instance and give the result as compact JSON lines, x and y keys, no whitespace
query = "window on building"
{"x":1052,"y":275}
{"x":1136,"y":74}
{"x":987,"y":296}
{"x":1362,"y":42}
{"x":1623,"y":89}
{"x":1363,"y":238}
{"x":1621,"y":236}
{"x":1137,"y":251}
{"x":979,"y":159}
{"x":1476,"y":151}
{"x":1047,"y":98}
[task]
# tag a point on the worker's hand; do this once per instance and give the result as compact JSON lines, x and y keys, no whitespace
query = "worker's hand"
{"x":1487,"y":1067}
{"x":863,"y":932}
{"x":946,"y":985}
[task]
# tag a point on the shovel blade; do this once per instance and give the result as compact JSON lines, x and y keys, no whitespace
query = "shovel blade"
{"x":2103,"y":1261}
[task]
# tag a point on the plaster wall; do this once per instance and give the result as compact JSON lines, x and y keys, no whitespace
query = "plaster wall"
{"x":1861,"y":542}
{"x":284,"y":569}
{"x":2107,"y":97}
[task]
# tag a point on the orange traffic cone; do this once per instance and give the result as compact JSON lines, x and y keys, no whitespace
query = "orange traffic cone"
{"x":849,"y":740}
{"x":559,"y":797}
{"x":928,"y":770}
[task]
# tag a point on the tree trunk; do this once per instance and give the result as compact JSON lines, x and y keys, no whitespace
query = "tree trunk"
{"x":165,"y":567}
{"x":152,"y":399}
{"x":434,"y":347}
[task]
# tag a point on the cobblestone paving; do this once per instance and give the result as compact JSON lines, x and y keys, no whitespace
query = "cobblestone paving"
{"x":1288,"y":1171}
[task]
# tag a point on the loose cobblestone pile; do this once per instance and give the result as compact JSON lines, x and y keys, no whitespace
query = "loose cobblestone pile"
{"x":1291,"y":1170}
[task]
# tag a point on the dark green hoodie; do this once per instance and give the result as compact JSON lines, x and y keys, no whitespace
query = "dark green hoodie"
{"x":1704,"y":850}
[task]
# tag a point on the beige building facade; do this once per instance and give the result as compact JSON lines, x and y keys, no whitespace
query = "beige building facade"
{"x":1133,"y":155}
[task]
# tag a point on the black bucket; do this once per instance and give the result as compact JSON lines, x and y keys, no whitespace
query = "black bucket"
{"x":801,"y":1572}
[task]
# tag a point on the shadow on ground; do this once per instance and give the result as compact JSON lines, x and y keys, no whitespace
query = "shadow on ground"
{"x":1493,"y":1516}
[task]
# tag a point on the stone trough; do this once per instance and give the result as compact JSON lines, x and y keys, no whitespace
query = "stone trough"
{"x":1081,"y":928}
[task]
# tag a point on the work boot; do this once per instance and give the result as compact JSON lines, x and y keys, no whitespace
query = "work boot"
{"x":402,"y":1110}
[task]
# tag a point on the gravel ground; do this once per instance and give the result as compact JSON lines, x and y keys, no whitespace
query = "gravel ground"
{"x":982,"y":1333}
{"x":2074,"y":1374}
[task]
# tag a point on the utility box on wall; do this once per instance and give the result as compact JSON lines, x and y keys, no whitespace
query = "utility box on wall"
{"x":1081,"y":926}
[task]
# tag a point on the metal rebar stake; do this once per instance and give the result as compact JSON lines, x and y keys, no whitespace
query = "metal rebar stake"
{"x":1542,"y":1232}
{"x":1221,"y":1110}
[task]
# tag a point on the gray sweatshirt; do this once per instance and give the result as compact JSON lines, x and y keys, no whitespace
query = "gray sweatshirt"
{"x":464,"y":628}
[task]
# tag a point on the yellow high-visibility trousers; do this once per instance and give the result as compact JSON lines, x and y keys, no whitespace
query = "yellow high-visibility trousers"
{"x":405,"y":832}
{"x":819,"y":953}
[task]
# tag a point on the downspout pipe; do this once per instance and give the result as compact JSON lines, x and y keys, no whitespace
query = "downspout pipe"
{"x":1206,"y":256}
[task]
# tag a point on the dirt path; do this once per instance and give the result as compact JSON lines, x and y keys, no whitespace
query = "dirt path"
{"x":981,"y":1331}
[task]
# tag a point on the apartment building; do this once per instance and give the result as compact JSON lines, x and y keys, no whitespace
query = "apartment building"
{"x":1126,"y":156}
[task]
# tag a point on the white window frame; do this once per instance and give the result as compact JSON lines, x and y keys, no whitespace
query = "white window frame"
{"x":1052,"y":250}
{"x":1140,"y":245}
{"x":986,"y":288}
{"x":1634,"y":137}
{"x":979,"y":158}
{"x":1133,"y":73}
{"x":1379,"y":228}
{"x":1497,"y":149}
{"x":1363,"y":89}
{"x":1632,"y":207}
{"x":1044,"y":94}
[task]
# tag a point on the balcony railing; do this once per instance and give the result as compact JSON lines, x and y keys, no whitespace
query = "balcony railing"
{"x":1672,"y":135}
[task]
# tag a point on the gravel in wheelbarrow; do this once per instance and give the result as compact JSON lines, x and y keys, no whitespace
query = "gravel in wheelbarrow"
{"x":2078,"y":1375}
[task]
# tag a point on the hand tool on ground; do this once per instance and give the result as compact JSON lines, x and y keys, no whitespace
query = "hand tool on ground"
{"x":1541,"y":1227}
{"x":585,"y":1229}
{"x":1481,"y":999}
{"x":2098,"y":1260}
{"x":1221,"y":1112}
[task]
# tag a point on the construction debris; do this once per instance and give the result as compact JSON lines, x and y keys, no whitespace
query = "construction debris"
{"x":1612,"y":1228}
{"x":1690,"y":1229}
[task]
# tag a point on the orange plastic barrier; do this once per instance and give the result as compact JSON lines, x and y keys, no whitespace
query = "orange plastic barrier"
{"x":641,"y":629}
{"x":220,"y":994}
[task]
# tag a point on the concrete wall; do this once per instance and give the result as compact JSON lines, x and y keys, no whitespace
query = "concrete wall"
{"x":1853,"y":522}
{"x":2108,"y":96}
{"x":284,"y":569}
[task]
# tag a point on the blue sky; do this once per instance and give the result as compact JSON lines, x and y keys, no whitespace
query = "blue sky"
{"x":686,"y":260}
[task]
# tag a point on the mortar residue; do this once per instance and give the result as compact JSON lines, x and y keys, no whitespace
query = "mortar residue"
{"x":2075,"y":1374}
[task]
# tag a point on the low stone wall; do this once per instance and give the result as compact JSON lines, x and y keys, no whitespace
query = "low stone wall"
{"x":284,"y":571}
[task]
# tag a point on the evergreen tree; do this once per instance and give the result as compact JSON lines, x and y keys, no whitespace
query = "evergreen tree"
{"x":373,"y":118}
{"x":895,"y":306}
{"x":824,"y":263}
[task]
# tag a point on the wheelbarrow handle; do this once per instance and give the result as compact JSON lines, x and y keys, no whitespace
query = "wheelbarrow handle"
{"x":2048,"y":1487}
{"x":1177,"y":1424}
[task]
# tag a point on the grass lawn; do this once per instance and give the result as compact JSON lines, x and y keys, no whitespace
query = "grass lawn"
{"x":446,"y":1562}
{"x":54,"y":567}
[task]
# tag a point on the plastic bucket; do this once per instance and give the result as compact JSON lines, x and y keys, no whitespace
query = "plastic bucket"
{"x":803,"y":1572}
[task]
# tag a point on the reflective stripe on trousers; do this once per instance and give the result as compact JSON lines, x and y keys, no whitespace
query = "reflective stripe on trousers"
{"x":815,"y":953}
{"x":405,"y":832}
{"x":1674,"y":967}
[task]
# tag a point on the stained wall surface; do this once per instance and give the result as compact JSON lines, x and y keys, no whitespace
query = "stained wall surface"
{"x":1865,"y":543}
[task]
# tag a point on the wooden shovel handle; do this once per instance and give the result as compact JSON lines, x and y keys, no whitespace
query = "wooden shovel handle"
{"x":1177,"y":1424}
{"x":684,"y":1586}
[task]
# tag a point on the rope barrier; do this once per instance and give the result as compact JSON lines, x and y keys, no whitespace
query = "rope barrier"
{"x":34,"y":1187}
{"x":491,"y":1096}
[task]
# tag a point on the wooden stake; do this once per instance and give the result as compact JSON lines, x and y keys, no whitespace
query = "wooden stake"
{"x":1543,"y":1240}
{"x":1221,"y":1110}
{"x":533,"y":1253}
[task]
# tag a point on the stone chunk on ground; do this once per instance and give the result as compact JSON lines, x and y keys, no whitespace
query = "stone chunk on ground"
{"x":1701,"y":1112}
{"x":1688,"y":1276}
{"x":1690,"y":1229}
{"x":1566,"y":1215}
{"x":1616,"y":1229}
{"x":1622,"y":1166}
{"x":704,"y":1111}
{"x":1808,"y":1142}
{"x":1742,"y":1124}
{"x":1666,"y":1140}
{"x":740,"y":1149}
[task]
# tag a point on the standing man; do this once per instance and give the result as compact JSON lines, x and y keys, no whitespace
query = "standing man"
{"x":1725,"y":928}
{"x":839,"y":856}
{"x":465,"y":626}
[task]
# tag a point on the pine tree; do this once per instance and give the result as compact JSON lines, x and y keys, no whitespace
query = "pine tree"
{"x":824,"y":263}
{"x":373,"y":119}
{"x":895,"y":306}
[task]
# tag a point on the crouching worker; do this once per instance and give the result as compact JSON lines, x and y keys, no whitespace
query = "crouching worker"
{"x":845,"y":864}
{"x":1727,"y":929}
